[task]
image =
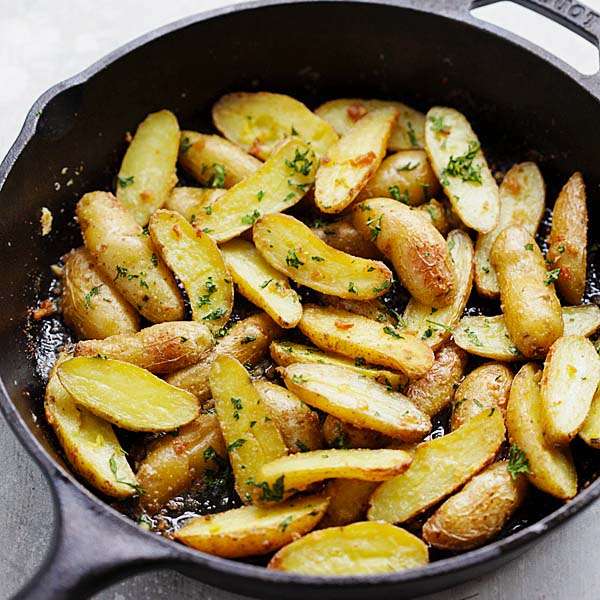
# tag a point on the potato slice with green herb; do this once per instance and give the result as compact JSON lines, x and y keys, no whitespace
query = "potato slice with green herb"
{"x":253,"y":530}
{"x":126,"y":256}
{"x":214,"y":161}
{"x":438,"y":213}
{"x":345,"y":333}
{"x":440,"y":466}
{"x":292,"y":248}
{"x":279,"y":184}
{"x":352,"y":160}
{"x":89,"y":443}
{"x":260,"y":283}
{"x":567,"y":243}
{"x":356,"y":399}
{"x":348,"y":501}
{"x":147,"y":173}
{"x":297,"y":472}
{"x":434,"y":325}
{"x":343,"y":236}
{"x":358,"y":549}
{"x":375,"y":309}
{"x":549,"y":468}
{"x":127,"y":396}
{"x":91,"y":306}
{"x":590,"y":430}
{"x":258,"y":121}
{"x":191,"y":202}
{"x":408,"y":131}
{"x":285,"y":353}
{"x":570,"y":378}
{"x":251,"y":436}
{"x":522,"y":201}
{"x":489,"y":337}
{"x":456,"y":157}
{"x":196,"y":260}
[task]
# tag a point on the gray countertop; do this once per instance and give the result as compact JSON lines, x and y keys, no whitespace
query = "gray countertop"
{"x":44,"y":41}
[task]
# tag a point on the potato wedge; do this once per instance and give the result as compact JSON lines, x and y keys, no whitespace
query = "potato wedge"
{"x":127,"y":396}
{"x":477,"y":513}
{"x":567,"y":243}
{"x":522,"y":201}
{"x":297,"y":472}
{"x":252,"y":438}
{"x":260,"y":283}
{"x":408,"y":132}
{"x":286,"y":353}
{"x":214,"y":161}
{"x":531,"y":309}
{"x":147,"y":172}
{"x":191,"y":202}
{"x":299,"y":426}
{"x":196,"y":260}
{"x":418,"y":251}
{"x":343,"y":435}
{"x":590,"y":430}
{"x":438,"y":213}
{"x":257,"y":122}
{"x":291,"y":247}
{"x":352,"y":160}
{"x":253,"y":530}
{"x":551,"y":468}
{"x":357,"y":549}
{"x":173,"y":462}
{"x":458,"y":161}
{"x":89,"y":443}
{"x":279,"y":184}
{"x":570,"y":378}
{"x":247,"y":341}
{"x":406,"y":177}
{"x":489,"y":337}
{"x":357,"y":337}
{"x":343,"y":236}
{"x":127,"y":257}
{"x":432,"y":392}
{"x":348,"y":501}
{"x":434,"y":326}
{"x":375,"y":309}
{"x":161,"y":348}
{"x":90,"y":304}
{"x":485,"y":388}
{"x":357,"y":400}
{"x":439,"y":467}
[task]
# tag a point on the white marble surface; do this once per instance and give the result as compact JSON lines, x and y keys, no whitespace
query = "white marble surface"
{"x":44,"y":41}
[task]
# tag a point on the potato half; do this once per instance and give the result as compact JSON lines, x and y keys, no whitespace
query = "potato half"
{"x":191,"y":202}
{"x":348,"y":501}
{"x":343,"y":236}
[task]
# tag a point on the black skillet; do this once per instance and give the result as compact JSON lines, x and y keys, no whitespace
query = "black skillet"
{"x":525,"y":103}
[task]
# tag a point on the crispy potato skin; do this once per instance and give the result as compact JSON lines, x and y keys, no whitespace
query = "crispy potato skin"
{"x":114,"y":239}
{"x":477,"y":513}
{"x":235,"y":343}
{"x":91,"y":306}
{"x":410,"y":172}
{"x":531,"y":309}
{"x":433,"y":391}
{"x":340,"y":434}
{"x":567,"y":243}
{"x":416,"y":248}
{"x":342,"y":235}
{"x":486,"y":387}
{"x":173,"y":462}
{"x":160,"y":348}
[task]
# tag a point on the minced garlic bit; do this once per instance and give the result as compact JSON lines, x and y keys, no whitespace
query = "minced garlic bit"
{"x":46,"y":221}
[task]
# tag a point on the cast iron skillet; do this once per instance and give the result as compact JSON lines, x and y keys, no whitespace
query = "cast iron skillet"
{"x":523,"y":102}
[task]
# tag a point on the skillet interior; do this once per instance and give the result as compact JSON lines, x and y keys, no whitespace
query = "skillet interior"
{"x":526,"y":109}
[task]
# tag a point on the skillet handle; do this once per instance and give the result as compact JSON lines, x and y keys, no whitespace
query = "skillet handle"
{"x":90,"y":549}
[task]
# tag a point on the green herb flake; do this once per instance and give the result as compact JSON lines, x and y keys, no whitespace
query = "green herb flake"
{"x":185,"y":145}
{"x":284,"y":524}
{"x":412,"y":136}
{"x":265,"y":283}
{"x":269,"y":494}
{"x":299,"y":379}
{"x":517,"y":461}
{"x":561,"y":248}
{"x":93,"y":292}
{"x":392,"y":332}
{"x":292,"y":259}
{"x":403,"y":197}
{"x":374,"y":226}
{"x":237,"y":444}
{"x":438,"y":126}
{"x":552,"y":276}
{"x":125,"y":181}
{"x":529,"y":246}
{"x":473,"y":337}
{"x":260,"y":195}
{"x":217,"y":179}
{"x":301,"y":446}
{"x":462,"y":166}
{"x":247,"y":339}
{"x":154,"y":260}
{"x":250,"y":219}
{"x":352,"y":288}
{"x":408,"y":167}
{"x":112,"y":463}
{"x":215,"y":314}
{"x":317,"y":258}
{"x":301,"y":164}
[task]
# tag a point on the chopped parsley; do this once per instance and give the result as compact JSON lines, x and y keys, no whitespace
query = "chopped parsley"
{"x":374,"y":226}
{"x":517,"y":461}
{"x":299,"y":379}
{"x":352,"y":288}
{"x":317,"y":258}
{"x":392,"y":332}
{"x":292,"y":259}
{"x":412,"y":136}
{"x":217,"y":179}
{"x":154,"y":260}
{"x":247,"y":339}
{"x":185,"y":145}
{"x":269,"y":494}
{"x":301,"y":164}
{"x":125,"y":181}
{"x":260,"y":195}
{"x":473,"y":337}
{"x":215,"y":314}
{"x":93,"y":292}
{"x":384,"y":286}
{"x":552,"y":276}
{"x":284,"y":524}
{"x":237,"y":444}
{"x":250,"y":219}
{"x":462,"y":166}
{"x":529,"y":246}
{"x":394,"y":190}
{"x":438,"y":126}
{"x":301,"y":446}
{"x":265,"y":283}
{"x":408,"y":167}
{"x":112,"y":463}
{"x":210,"y":288}
{"x":561,"y":248}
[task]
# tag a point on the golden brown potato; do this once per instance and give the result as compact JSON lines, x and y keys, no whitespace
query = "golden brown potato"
{"x":434,"y":391}
{"x":439,"y":215}
{"x":214,"y":161}
{"x":191,"y":202}
{"x":160,"y":348}
{"x":567,"y":243}
{"x":531,"y":309}
{"x":127,"y":257}
{"x":299,"y":426}
{"x":477,"y":513}
{"x":173,"y":462}
{"x":341,"y":434}
{"x":483,"y":389}
{"x":348,"y":501}
{"x":416,"y":248}
{"x":406,"y":177}
{"x":91,"y":306}
{"x":590,"y":430}
{"x":343,"y":236}
{"x":247,"y":341}
{"x":371,"y":309}
{"x":357,"y":549}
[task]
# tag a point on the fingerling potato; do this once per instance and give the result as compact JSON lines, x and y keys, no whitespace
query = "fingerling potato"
{"x":348,"y":501}
{"x":590,"y":430}
{"x":341,"y":434}
{"x":371,"y":309}
{"x":191,"y":202}
{"x":343,"y":236}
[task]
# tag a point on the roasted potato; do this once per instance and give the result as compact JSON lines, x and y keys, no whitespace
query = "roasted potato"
{"x":190,"y":202}
{"x":590,"y":430}
{"x":375,"y":309}
{"x":348,"y":501}
{"x":439,"y":215}
{"x":343,"y":236}
{"x":343,"y":435}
